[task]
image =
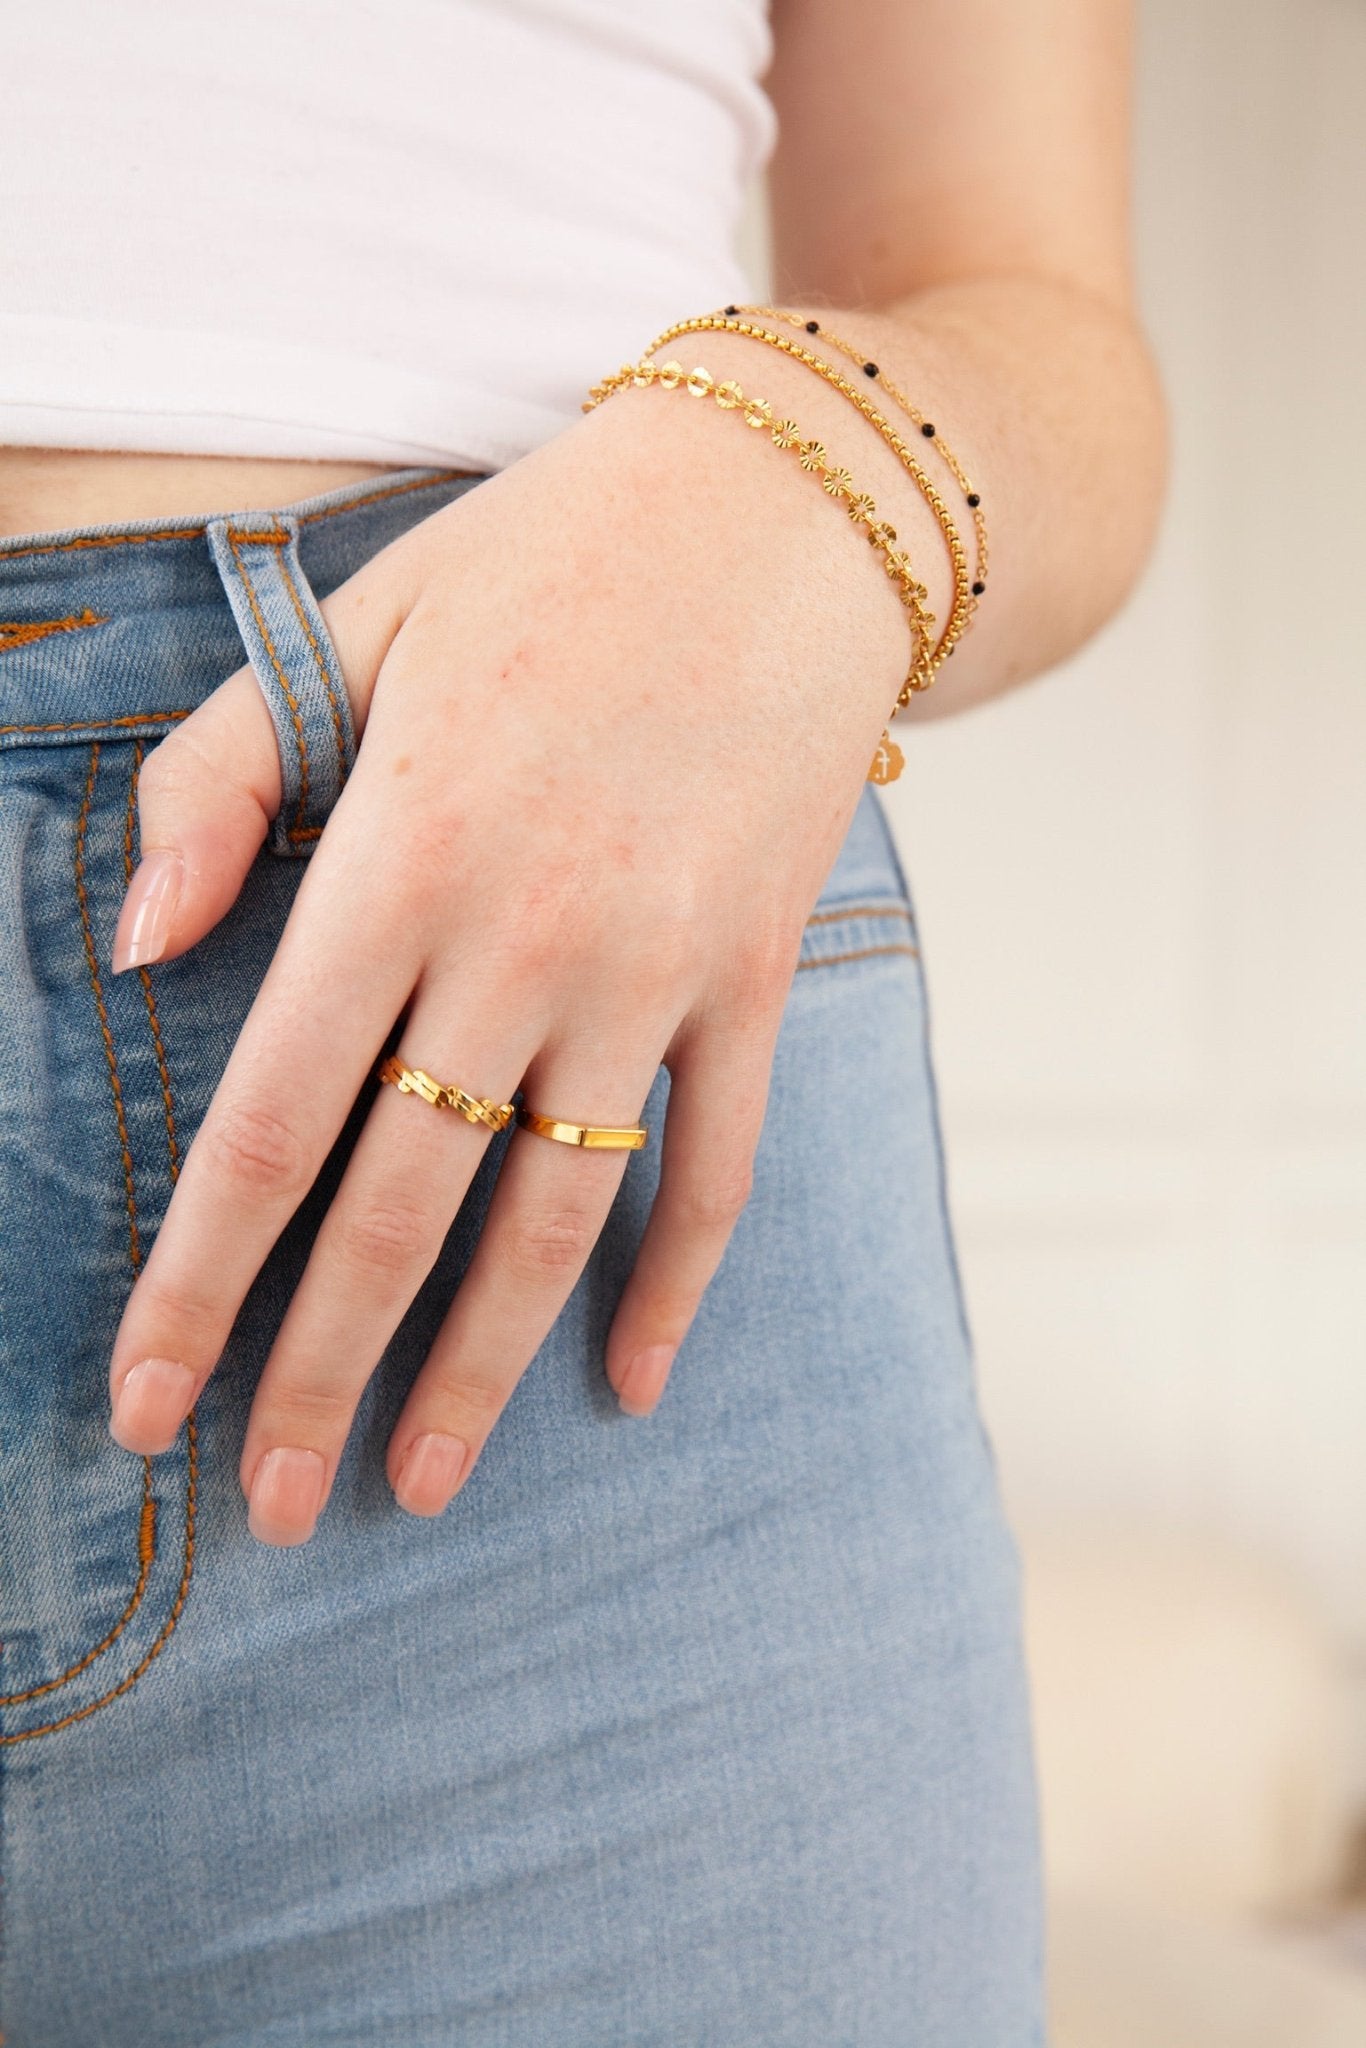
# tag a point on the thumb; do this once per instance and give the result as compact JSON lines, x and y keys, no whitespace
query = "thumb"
{"x":208,"y":792}
{"x":206,"y":796}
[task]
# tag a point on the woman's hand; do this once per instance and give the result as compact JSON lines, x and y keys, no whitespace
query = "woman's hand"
{"x":617,"y":704}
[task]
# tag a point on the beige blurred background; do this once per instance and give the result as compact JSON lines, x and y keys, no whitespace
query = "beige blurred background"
{"x":1142,"y":889}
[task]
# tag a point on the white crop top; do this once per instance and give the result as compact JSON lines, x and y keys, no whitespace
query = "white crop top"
{"x":401,"y":231}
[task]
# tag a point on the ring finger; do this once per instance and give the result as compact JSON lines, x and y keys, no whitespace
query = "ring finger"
{"x":548,"y":1210}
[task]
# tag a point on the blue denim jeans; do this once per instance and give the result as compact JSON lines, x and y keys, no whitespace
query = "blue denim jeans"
{"x":708,"y":1728}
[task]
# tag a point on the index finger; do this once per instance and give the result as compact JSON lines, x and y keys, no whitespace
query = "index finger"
{"x":321,"y":1017}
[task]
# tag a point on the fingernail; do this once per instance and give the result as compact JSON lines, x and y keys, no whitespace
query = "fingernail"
{"x":642,"y":1383}
{"x":150,"y":1405}
{"x":286,"y":1495}
{"x":429,"y":1473}
{"x":145,"y":919}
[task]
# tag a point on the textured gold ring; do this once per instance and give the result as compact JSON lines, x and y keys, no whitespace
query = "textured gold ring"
{"x":476,"y":1109}
{"x":597,"y":1137}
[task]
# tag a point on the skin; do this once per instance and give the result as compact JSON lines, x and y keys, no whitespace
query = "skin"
{"x":677,"y":661}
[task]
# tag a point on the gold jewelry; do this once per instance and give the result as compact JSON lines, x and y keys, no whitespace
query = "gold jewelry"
{"x":963,"y":600}
{"x":837,"y":483}
{"x":597,"y":1137}
{"x":474,"y":1108}
{"x":928,"y":429}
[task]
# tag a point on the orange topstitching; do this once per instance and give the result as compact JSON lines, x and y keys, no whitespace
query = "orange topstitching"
{"x":192,"y":532}
{"x":146,"y":1542}
{"x":23,"y":632}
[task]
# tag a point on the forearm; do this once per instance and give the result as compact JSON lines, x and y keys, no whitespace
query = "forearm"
{"x":1048,"y":397}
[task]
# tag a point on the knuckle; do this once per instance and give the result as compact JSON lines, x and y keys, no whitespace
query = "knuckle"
{"x":764,"y":972}
{"x":558,"y":914}
{"x":384,"y":1236}
{"x":191,"y":1322}
{"x":302,"y":1411}
{"x":473,"y":1402}
{"x":661,"y":976}
{"x":714,"y":1204}
{"x":257,"y":1150}
{"x":533,"y":948}
{"x":550,"y":1245}
{"x":181,"y":767}
{"x":540,"y":938}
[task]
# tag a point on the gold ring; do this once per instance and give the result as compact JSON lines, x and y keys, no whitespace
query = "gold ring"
{"x":476,"y":1109}
{"x":597,"y":1137}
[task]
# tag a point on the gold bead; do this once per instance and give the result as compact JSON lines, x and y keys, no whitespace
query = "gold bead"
{"x":671,"y":374}
{"x":758,"y":412}
{"x":729,"y":395}
{"x":700,"y":382}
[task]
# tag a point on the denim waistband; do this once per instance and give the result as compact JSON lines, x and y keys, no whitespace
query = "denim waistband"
{"x":76,"y":655}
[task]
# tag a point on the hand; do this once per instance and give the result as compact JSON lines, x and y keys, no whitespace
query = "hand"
{"x":617,"y":704}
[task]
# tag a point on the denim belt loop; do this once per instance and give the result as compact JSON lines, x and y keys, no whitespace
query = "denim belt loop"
{"x":295,"y":663}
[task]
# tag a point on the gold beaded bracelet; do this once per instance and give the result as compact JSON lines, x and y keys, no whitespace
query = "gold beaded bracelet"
{"x":963,"y":598}
{"x":838,"y":484}
{"x":879,"y":376}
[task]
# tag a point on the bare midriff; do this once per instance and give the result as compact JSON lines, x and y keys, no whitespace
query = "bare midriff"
{"x":43,"y":490}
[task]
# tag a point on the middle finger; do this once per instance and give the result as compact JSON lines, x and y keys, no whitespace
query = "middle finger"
{"x":408,"y":1174}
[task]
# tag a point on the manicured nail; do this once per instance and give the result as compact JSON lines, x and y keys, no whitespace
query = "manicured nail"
{"x":642,"y":1383}
{"x":152,"y":1401}
{"x":429,"y":1473}
{"x":145,"y":919}
{"x":286,"y":1495}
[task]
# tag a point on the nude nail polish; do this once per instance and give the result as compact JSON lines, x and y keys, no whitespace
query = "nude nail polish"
{"x":148,"y":908}
{"x":286,"y":1495}
{"x":429,"y":1473}
{"x":642,"y":1383}
{"x":150,"y":1405}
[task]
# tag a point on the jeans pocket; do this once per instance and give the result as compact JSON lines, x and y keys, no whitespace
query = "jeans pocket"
{"x":97,"y":1546}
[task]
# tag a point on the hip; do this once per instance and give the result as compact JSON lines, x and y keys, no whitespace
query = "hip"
{"x":739,"y":1681}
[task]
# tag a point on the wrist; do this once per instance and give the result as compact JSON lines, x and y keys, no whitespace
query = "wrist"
{"x":831,"y":403}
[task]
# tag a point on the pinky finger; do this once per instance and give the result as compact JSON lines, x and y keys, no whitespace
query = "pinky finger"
{"x":717,"y":1093}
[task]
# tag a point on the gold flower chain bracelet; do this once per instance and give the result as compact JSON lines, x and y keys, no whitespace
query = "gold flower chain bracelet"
{"x":966,"y":588}
{"x":837,"y":483}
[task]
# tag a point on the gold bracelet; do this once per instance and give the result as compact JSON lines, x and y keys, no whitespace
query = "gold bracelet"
{"x":962,"y":583}
{"x":837,"y":483}
{"x":872,"y":370}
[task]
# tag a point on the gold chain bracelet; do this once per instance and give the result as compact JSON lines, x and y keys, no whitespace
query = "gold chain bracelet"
{"x":972,"y":496}
{"x":963,"y":598}
{"x":836,"y":482}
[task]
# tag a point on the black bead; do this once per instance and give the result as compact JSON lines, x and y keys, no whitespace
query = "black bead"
{"x":928,"y":431}
{"x":974,"y":500}
{"x":978,"y":588}
{"x":731,"y":312}
{"x":870,"y":369}
{"x":813,"y":326}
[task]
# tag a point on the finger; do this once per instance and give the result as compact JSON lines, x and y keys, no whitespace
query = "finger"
{"x":208,"y":791}
{"x":322,"y":1015}
{"x":547,"y":1213}
{"x":717,"y":1095}
{"x":407,"y":1177}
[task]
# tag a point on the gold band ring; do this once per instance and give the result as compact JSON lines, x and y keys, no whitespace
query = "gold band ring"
{"x":597,"y":1137}
{"x":476,"y":1109}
